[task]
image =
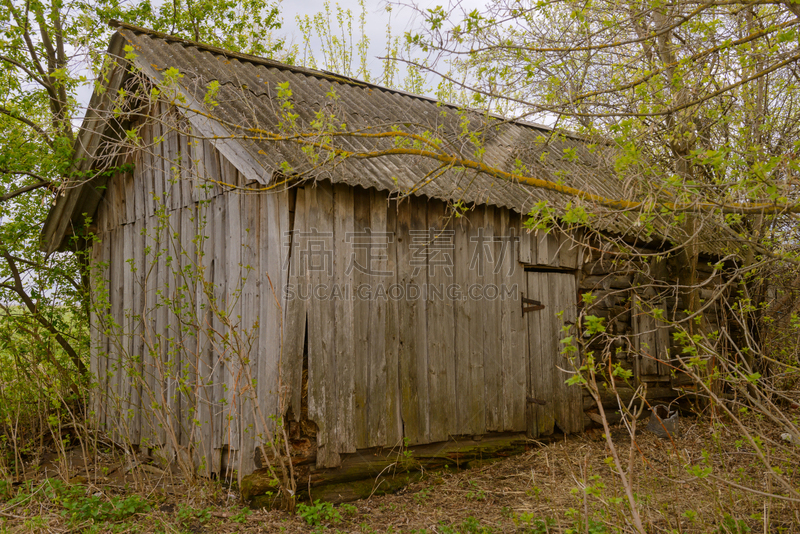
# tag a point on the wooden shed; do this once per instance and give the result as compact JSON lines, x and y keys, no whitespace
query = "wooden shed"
{"x":369,"y":303}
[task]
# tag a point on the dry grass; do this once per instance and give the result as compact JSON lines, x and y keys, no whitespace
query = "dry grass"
{"x":552,"y":488}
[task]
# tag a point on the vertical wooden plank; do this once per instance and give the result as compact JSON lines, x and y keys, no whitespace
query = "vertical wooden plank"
{"x":394,"y":425}
{"x":128,"y":180}
{"x":161,"y":221}
{"x":160,"y":165}
{"x":345,"y":351}
{"x":514,"y":342}
{"x":412,"y":276}
{"x":174,"y":158}
{"x":296,"y":306}
{"x":322,"y":371}
{"x":148,"y":161}
{"x":377,"y":408}
{"x":149,"y":363}
{"x":361,"y":319}
{"x":95,"y":328}
{"x":187,"y":182}
{"x":544,"y":243}
{"x":540,"y":417}
{"x":120,"y":390}
{"x":220,"y":351}
{"x":189,"y":332}
{"x":527,"y":242}
{"x":237,"y":350}
{"x":127,"y":345}
{"x":466,"y":405}
{"x":173,"y":324}
{"x":198,"y":169}
{"x":569,"y":409}
{"x":139,"y":172}
{"x":105,"y":368}
{"x":251,"y":242}
{"x":138,"y":267}
{"x":569,"y":249}
{"x":441,"y":340}
{"x":476,"y":277}
{"x":101,"y":250}
{"x":203,"y":355}
{"x":651,"y":338}
{"x":491,"y":313}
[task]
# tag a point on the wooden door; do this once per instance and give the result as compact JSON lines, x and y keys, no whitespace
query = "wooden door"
{"x":550,"y":402}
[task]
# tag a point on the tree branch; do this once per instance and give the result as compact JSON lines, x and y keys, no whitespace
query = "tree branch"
{"x":28,"y":122}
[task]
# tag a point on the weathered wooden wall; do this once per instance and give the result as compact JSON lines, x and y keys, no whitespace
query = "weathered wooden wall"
{"x":381,"y":369}
{"x":187,"y":338}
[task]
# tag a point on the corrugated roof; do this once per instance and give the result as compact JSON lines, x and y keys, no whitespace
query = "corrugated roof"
{"x":248,"y":104}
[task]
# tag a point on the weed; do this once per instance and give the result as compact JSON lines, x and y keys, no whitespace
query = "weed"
{"x":241,"y":515}
{"x":188,"y":515}
{"x":470,"y":525}
{"x":421,"y":496}
{"x":318,"y":513}
{"x":348,"y":509}
{"x":79,"y":508}
{"x":476,"y":494}
{"x":730,"y":525}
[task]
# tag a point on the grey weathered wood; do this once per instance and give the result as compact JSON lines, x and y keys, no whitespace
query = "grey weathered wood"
{"x":345,"y":345}
{"x":441,"y":342}
{"x":187,"y":167}
{"x":137,"y":308}
{"x":237,"y":351}
{"x":527,"y":242}
{"x":296,"y":307}
{"x":491,"y":314}
{"x":149,"y":364}
{"x":130,"y":195}
{"x":189,"y":334}
{"x":377,"y":407}
{"x":514,"y":342}
{"x":274,"y":267}
{"x":149,"y":133}
{"x":207,"y":127}
{"x":120,"y":390}
{"x":463,"y":309}
{"x":198,"y":169}
{"x":651,"y":338}
{"x":203,"y":386}
{"x":322,"y":372}
{"x":361,"y":323}
{"x":132,"y":403}
{"x":173,"y":326}
{"x":569,"y":412}
{"x":162,"y":326}
{"x":96,"y":337}
{"x":251,"y":327}
{"x":540,"y":418}
{"x":570,"y":251}
{"x":412,"y":275}
{"x":173,"y":178}
{"x":394,"y":423}
{"x":220,"y":351}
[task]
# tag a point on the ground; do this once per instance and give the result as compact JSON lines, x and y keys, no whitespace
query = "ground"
{"x":707,"y":481}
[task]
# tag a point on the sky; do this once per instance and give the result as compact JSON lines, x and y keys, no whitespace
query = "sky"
{"x":403,"y":19}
